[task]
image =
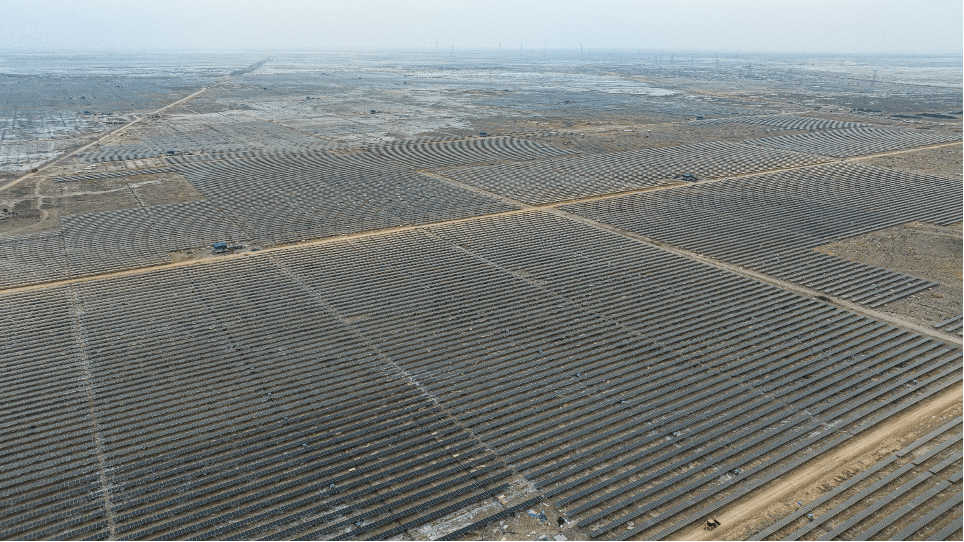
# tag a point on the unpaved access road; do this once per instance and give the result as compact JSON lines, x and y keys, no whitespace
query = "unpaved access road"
{"x":889,"y":435}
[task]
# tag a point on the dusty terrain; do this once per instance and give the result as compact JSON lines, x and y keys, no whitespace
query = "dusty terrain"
{"x":523,"y":355}
{"x":771,"y":502}
{"x":919,"y":249}
{"x":946,"y":160}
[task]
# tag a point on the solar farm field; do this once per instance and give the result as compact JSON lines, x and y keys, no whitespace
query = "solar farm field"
{"x":247,"y":323}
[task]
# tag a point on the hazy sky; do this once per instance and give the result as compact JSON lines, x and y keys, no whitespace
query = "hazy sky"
{"x":825,"y":26}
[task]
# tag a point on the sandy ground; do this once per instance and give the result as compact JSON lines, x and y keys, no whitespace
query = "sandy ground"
{"x":615,"y":133}
{"x":946,"y":161}
{"x":810,"y":480}
{"x":922,"y":250}
{"x":541,"y":521}
{"x":36,"y":204}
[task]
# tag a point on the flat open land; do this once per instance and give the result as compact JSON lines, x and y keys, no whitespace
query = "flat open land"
{"x":483,"y":296}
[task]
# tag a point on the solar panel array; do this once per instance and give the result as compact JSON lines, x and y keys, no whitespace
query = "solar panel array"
{"x":255,"y":142}
{"x":911,"y":494}
{"x":50,"y":479}
{"x":855,"y":141}
{"x":954,"y":324}
{"x":783,"y":122}
{"x":362,"y":388}
{"x":223,"y":410}
{"x":771,"y":222}
{"x":576,"y":177}
{"x":194,"y":224}
{"x":359,"y":389}
{"x":220,"y":134}
{"x":32,"y":258}
{"x":113,"y":175}
{"x":267,"y":200}
{"x":112,"y":240}
{"x":459,"y":153}
{"x":279,"y":200}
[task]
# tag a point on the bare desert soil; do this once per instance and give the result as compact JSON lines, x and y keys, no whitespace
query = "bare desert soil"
{"x":458,"y":106}
{"x":823,"y":473}
{"x":944,"y":160}
{"x":617,"y":133}
{"x":923,"y":250}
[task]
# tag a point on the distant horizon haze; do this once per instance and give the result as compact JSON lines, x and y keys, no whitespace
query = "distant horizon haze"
{"x":846,"y":27}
